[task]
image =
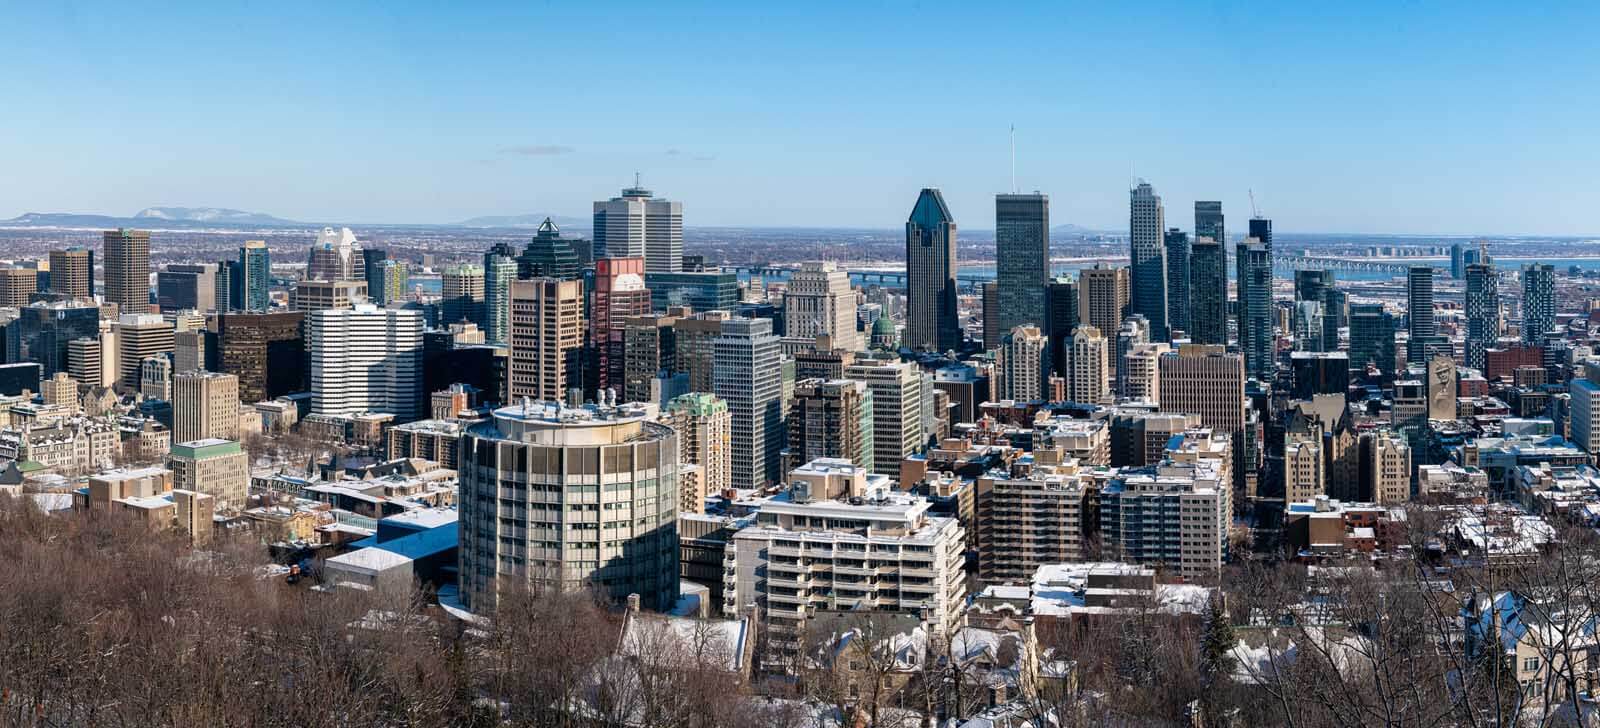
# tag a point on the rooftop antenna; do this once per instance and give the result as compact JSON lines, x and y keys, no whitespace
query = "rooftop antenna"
{"x":636,"y":180}
{"x":1013,"y":159}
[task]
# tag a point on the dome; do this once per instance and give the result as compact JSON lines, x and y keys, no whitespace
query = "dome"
{"x":883,"y":326}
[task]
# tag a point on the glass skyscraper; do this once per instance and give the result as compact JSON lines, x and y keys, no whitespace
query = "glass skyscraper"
{"x":1538,"y":301}
{"x":1148,"y":255}
{"x":499,"y":269}
{"x":1179,"y":304}
{"x":1483,"y":310}
{"x":1022,"y":258}
{"x":932,"y":322}
{"x":1256,"y":331}
{"x":1208,"y":291}
{"x":1419,"y":313}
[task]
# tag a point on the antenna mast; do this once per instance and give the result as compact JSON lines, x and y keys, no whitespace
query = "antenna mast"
{"x":1013,"y":159}
{"x":1254,"y":211}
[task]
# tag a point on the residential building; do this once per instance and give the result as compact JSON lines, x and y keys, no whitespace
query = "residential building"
{"x":252,"y":278}
{"x":1386,"y":465}
{"x":499,"y":269}
{"x":1257,"y":334}
{"x":832,"y":419}
{"x":1044,"y":516}
{"x":1180,"y":302}
{"x":205,"y":406}
{"x":1022,"y":365}
{"x":1102,"y":297}
{"x":898,"y":396}
{"x":1090,"y":382}
{"x":1141,"y":372}
{"x":1419,"y":312}
{"x":1174,"y":514}
{"x":705,"y":447}
{"x":1538,"y":301}
{"x":1483,"y":311}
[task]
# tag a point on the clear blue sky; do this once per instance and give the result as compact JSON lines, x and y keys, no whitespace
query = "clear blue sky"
{"x":1411,"y":117}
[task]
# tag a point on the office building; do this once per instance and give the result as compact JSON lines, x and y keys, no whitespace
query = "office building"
{"x":898,"y":399}
{"x":266,"y":351}
{"x":700,"y":291}
{"x":819,"y":301}
{"x":336,"y":256}
{"x":205,"y":405}
{"x":1090,"y":382}
{"x":1208,"y":222}
{"x":219,"y":468}
{"x":989,"y":292}
{"x":155,"y":378}
{"x":832,"y":418}
{"x":1180,"y":302}
{"x":705,"y":447}
{"x":747,"y":374}
{"x":325,"y":295}
{"x":17,"y":286}
{"x":252,"y":277}
{"x":619,"y":294}
{"x":1538,"y":301}
{"x":1419,"y":312}
{"x":1103,"y":297}
{"x":83,"y":362}
{"x":499,"y":269}
{"x":372,"y":260}
{"x":365,"y":359}
{"x":1135,"y":331}
{"x":1061,"y":317}
{"x":127,"y":270}
{"x":638,"y":225}
{"x":1022,"y":258}
{"x":72,"y":272}
{"x":649,"y":345}
{"x":527,"y":470}
{"x":44,"y":329}
{"x":1585,"y":413}
{"x":189,"y":287}
{"x":546,"y":339}
{"x":1372,"y":334}
{"x":1483,"y":311}
{"x":1147,"y":254}
{"x":140,"y":336}
{"x":392,"y":277}
{"x":461,"y":297}
{"x":932,"y":321}
{"x":696,"y":341}
{"x":1205,"y":380}
{"x":1021,"y":366}
{"x":1319,"y":373}
{"x":548,"y":255}
{"x":1208,"y":289}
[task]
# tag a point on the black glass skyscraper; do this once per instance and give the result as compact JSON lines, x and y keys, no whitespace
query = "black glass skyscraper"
{"x":1208,"y":290}
{"x":1178,"y":272}
{"x":1483,"y":311}
{"x":1419,"y":313}
{"x":1061,"y":315}
{"x":1022,"y":258}
{"x":932,"y":322}
{"x":548,"y":255}
{"x":1371,"y":337}
{"x":1257,"y":336}
{"x":1208,"y":222}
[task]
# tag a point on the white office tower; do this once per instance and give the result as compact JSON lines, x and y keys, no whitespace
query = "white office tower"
{"x":336,"y":256}
{"x":819,"y":301}
{"x":637,"y":225}
{"x":747,"y":372}
{"x":897,"y":410}
{"x":365,"y":359}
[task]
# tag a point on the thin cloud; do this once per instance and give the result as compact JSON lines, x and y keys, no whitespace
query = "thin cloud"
{"x":537,"y":150}
{"x":705,"y":158}
{"x":672,"y":152}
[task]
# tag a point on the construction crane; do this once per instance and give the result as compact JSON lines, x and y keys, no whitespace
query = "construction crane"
{"x":1254,"y":211}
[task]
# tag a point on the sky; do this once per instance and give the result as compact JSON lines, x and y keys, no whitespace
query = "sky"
{"x":1396,"y":117}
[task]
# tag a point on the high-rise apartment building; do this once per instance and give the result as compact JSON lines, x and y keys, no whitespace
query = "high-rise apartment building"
{"x":336,"y":256}
{"x":619,"y":294}
{"x":898,"y":393}
{"x":461,"y":297}
{"x":638,"y":225}
{"x":548,"y":255}
{"x":1205,"y":380}
{"x":1419,"y":313}
{"x":1483,"y":311}
{"x":72,"y":272}
{"x":140,"y":336}
{"x":1257,"y":329}
{"x":747,"y":373}
{"x":818,"y":301}
{"x":1022,"y":258}
{"x":1148,"y":255}
{"x":499,"y":270}
{"x":1103,"y":297}
{"x":253,"y":277}
{"x":205,"y":405}
{"x":127,"y":270}
{"x":1022,"y":364}
{"x":17,"y":285}
{"x":365,"y":359}
{"x":1090,"y":382}
{"x":546,"y":339}
{"x":989,"y":291}
{"x":705,"y":447}
{"x":1208,"y":289}
{"x":266,"y":351}
{"x":392,"y":277}
{"x":534,"y":510}
{"x":1385,"y":459}
{"x":1538,"y":301}
{"x":1043,"y":516}
{"x":932,"y":321}
{"x":1140,"y":377}
{"x":372,"y":260}
{"x":219,"y":468}
{"x":831,"y":418}
{"x":1180,"y":301}
{"x":1175,"y":513}
{"x":1208,"y":222}
{"x":1135,"y":331}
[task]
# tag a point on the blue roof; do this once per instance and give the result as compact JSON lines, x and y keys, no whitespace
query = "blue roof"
{"x":423,"y":544}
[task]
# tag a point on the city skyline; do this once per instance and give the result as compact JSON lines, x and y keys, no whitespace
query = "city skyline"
{"x":1315,"y":114}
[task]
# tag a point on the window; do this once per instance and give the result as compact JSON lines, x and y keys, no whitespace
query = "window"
{"x":1530,"y":664}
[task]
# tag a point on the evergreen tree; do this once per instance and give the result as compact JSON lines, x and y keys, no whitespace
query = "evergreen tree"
{"x":1217,"y":648}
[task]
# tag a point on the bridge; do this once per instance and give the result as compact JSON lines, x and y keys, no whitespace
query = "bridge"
{"x":1306,"y":262}
{"x":868,"y":275}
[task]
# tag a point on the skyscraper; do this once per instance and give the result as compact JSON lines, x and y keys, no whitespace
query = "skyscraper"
{"x":1091,"y":366}
{"x":1419,"y":312}
{"x":127,"y":270}
{"x":747,"y":374}
{"x":1538,"y":301}
{"x":372,"y":260}
{"x":637,"y":225}
{"x":989,"y":293}
{"x":365,"y":359}
{"x":1257,"y":335}
{"x":462,"y":295}
{"x":1205,"y":380}
{"x":1483,"y":311}
{"x":619,"y":293}
{"x":705,"y":434}
{"x":1458,"y":262}
{"x":1147,"y":254}
{"x":1022,"y":255}
{"x":546,"y":339}
{"x":1061,"y":317}
{"x":499,"y":269}
{"x":548,"y":255}
{"x":1179,"y":302}
{"x":1103,"y":297}
{"x":1371,"y":337}
{"x":932,"y":322}
{"x":831,"y":418}
{"x":140,"y":336}
{"x":205,"y":405}
{"x":265,"y":350}
{"x":898,"y":396}
{"x":819,"y":301}
{"x":1208,"y":290}
{"x":1208,"y":222}
{"x":72,"y":272}
{"x":189,"y":286}
{"x":17,"y":285}
{"x":254,"y":277}
{"x":1020,"y":366}
{"x":336,"y":256}
{"x":392,"y":277}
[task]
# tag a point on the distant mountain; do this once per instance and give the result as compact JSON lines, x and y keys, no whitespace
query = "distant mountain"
{"x":210,"y":215}
{"x":514,"y":221}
